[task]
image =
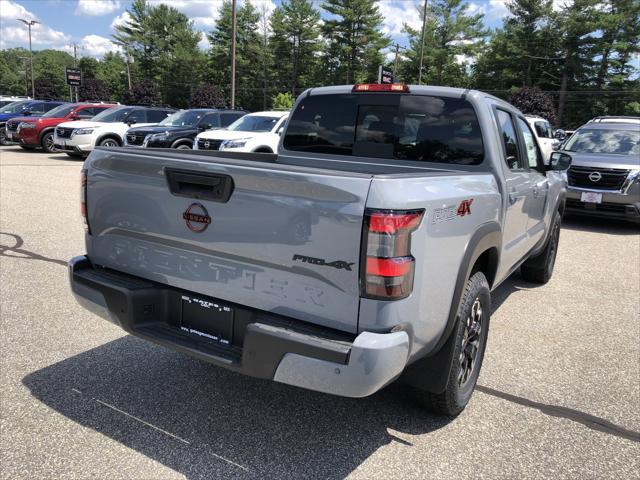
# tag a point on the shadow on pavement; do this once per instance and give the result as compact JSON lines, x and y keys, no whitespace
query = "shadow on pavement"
{"x":13,"y":250}
{"x":206,"y":422}
{"x":599,"y":225}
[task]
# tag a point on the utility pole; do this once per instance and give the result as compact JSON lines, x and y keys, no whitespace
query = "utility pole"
{"x":128,"y":61}
{"x":75,"y":64}
{"x":234,"y":27}
{"x":29,"y":24}
{"x":424,"y":28}
{"x":26,"y":74}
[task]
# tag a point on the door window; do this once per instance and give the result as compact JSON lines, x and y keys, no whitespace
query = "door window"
{"x":139,"y":116}
{"x":38,"y":108}
{"x":543,"y":129}
{"x":210,"y":120}
{"x":155,"y":116}
{"x":509,"y":139}
{"x":534,"y":157}
{"x":227,"y":119}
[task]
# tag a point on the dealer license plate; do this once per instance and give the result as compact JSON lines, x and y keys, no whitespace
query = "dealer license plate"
{"x":10,"y":135}
{"x":207,"y":319}
{"x":591,"y":197}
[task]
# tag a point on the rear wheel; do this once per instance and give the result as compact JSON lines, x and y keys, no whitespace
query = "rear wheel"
{"x":470,"y":337}
{"x":183,"y":146}
{"x":47,"y":142}
{"x":539,"y":269}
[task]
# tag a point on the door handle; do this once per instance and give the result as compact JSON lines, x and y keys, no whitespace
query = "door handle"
{"x":200,"y":185}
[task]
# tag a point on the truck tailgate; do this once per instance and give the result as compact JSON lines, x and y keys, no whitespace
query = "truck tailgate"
{"x":287,"y":239}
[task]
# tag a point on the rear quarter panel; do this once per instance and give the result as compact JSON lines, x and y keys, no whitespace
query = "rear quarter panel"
{"x":438,"y":246}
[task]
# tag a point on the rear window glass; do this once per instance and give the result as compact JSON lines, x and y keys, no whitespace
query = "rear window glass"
{"x":402,"y":127}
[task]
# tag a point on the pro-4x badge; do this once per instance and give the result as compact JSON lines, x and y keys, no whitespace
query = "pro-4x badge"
{"x":450,"y":212}
{"x":339,"y":264}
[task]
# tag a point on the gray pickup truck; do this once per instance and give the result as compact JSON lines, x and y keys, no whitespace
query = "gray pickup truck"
{"x":365,"y":251}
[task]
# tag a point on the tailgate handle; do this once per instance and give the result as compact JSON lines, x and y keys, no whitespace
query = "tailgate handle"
{"x":201,"y":185}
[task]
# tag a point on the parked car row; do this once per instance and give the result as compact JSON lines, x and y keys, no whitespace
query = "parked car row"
{"x":77,"y":128}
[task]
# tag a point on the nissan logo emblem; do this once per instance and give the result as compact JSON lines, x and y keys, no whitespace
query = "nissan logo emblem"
{"x":595,"y":176}
{"x":196,"y":217}
{"x":206,"y":144}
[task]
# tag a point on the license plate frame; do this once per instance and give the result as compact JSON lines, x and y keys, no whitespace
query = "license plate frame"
{"x":207,"y":318}
{"x":591,"y":197}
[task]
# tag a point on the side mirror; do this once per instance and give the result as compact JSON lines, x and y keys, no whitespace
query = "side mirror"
{"x":75,"y":116}
{"x":559,"y":161}
{"x":131,"y":121}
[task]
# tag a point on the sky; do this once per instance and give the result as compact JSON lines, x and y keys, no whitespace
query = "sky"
{"x":90,"y":23}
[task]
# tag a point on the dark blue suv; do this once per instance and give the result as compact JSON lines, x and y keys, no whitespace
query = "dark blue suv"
{"x":24,"y":108}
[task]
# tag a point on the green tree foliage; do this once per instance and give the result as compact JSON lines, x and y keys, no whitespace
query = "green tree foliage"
{"x":112,"y":72}
{"x":355,"y":41}
{"x":295,"y":43}
{"x":283,"y":101}
{"x":46,"y":87}
{"x":143,"y":93}
{"x":453,"y":37}
{"x":93,"y":89}
{"x":249,"y":67}
{"x":14,"y":72}
{"x":89,"y":67}
{"x":208,"y":96}
{"x":533,"y":101}
{"x":520,"y":53}
{"x":164,"y":46}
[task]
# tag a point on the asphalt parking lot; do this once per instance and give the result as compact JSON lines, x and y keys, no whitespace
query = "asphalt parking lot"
{"x":559,"y":394}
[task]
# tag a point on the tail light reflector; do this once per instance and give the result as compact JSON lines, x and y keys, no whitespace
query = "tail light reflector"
{"x":83,"y":199}
{"x":388,"y":268}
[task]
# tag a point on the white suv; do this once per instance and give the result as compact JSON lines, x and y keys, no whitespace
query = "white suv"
{"x":544,"y":133}
{"x":255,"y":132}
{"x":106,"y":129}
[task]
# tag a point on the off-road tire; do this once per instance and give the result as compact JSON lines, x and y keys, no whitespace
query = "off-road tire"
{"x":539,"y":269}
{"x":453,"y":400}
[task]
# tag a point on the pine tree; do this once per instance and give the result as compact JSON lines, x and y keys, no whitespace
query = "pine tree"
{"x":249,"y":68}
{"x":453,"y":37}
{"x":164,"y":45}
{"x":296,"y":31}
{"x":355,"y":40}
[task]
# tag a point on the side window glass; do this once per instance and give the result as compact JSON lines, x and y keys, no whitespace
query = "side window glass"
{"x":155,"y":116}
{"x":38,"y":108}
{"x":212,"y":119}
{"x":228,"y":118}
{"x":87,"y":112}
{"x":138,"y":115}
{"x":509,"y":138}
{"x":531,"y":147}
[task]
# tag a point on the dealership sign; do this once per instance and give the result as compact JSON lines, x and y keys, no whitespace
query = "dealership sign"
{"x":74,"y":76}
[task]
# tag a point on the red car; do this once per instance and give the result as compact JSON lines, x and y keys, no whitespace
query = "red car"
{"x":37,"y":132}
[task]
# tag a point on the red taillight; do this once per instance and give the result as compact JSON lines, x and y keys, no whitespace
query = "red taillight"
{"x":83,"y":199}
{"x":392,"y":222}
{"x":381,"y":87}
{"x":389,"y":265}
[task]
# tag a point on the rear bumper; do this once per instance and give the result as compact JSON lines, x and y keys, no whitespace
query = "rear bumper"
{"x":272,"y":347}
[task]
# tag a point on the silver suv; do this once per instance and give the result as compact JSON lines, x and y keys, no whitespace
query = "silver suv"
{"x":604,"y":178}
